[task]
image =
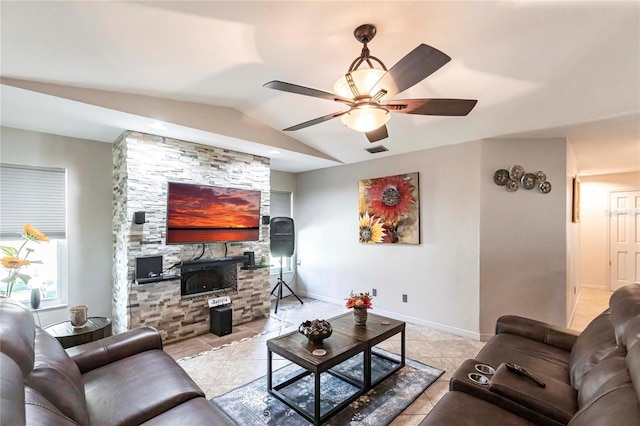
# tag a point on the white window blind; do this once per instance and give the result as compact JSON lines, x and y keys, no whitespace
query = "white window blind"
{"x":280,"y":204}
{"x":33,"y":195}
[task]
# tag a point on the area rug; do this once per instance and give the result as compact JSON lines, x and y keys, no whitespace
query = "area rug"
{"x":251,"y":404}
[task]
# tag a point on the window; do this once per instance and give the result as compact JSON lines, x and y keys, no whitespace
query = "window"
{"x":37,"y":196}
{"x":280,"y":207}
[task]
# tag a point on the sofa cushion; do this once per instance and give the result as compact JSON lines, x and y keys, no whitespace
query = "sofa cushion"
{"x":17,"y":341}
{"x":594,"y":344}
{"x":57,"y":378}
{"x":462,"y":409}
{"x":625,"y":305}
{"x":531,"y":354}
{"x":11,"y":392}
{"x":617,"y":406}
{"x":606,"y":375}
{"x":39,"y":411}
{"x":195,"y":412}
{"x":136,"y":389}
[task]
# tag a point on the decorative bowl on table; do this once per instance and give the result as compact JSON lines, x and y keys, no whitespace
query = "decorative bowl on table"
{"x":316,"y":331}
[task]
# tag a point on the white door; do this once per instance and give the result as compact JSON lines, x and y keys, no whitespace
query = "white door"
{"x":625,"y":239}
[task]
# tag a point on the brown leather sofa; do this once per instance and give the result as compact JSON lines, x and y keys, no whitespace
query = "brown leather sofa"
{"x":591,"y":378}
{"x":126,"y":379}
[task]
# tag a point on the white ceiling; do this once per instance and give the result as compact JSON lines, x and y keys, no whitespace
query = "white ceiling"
{"x":538,"y":68}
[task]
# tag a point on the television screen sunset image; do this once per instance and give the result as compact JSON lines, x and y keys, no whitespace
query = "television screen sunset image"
{"x":203,"y":214}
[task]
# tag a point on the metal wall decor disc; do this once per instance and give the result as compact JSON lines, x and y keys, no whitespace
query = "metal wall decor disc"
{"x":516,"y":172}
{"x":545,"y":187}
{"x":512,"y":186}
{"x":528,"y":181}
{"x":541,"y":176}
{"x":501,"y":177}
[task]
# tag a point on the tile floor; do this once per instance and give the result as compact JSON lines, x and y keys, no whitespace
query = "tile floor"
{"x":241,"y":357}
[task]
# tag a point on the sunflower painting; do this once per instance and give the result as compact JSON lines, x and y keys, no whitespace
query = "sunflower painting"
{"x":389,"y":210}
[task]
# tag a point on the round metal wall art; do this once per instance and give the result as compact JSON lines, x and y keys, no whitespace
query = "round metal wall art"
{"x":512,"y":186}
{"x":516,"y":172}
{"x":516,"y":177}
{"x":545,"y":187}
{"x":501,"y":177}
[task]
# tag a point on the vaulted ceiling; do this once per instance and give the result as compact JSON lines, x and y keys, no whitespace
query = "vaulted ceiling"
{"x":537,"y":68}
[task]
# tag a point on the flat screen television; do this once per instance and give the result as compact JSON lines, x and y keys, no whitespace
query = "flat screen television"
{"x":210,"y":214}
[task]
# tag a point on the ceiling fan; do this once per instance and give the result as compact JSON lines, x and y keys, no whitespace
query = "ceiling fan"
{"x":366,"y":91}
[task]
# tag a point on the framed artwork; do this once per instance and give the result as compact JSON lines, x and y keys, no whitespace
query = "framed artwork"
{"x":575,"y":211}
{"x":389,"y":210}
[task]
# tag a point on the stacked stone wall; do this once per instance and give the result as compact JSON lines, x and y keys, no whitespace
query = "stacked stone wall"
{"x":143,"y":164}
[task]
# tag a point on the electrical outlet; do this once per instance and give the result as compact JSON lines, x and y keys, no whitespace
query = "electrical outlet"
{"x":404,"y":298}
{"x":374,"y":292}
{"x":299,"y":262}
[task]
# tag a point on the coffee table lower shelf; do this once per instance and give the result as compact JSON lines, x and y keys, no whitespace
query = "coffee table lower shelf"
{"x":318,"y":417}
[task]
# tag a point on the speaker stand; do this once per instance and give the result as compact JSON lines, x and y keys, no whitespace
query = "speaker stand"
{"x":278,"y":288}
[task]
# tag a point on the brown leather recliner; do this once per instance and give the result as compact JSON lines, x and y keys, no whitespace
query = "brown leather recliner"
{"x":126,"y":379}
{"x":591,"y":378}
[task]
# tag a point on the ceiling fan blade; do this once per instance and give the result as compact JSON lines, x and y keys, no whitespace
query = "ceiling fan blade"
{"x":377,"y":134}
{"x":307,"y":91}
{"x":448,"y":107}
{"x":417,"y":65}
{"x":314,"y":121}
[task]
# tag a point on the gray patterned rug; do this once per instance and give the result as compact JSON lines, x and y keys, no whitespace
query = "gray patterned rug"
{"x":251,"y":404}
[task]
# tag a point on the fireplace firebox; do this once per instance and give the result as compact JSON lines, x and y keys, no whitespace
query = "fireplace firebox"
{"x":209,"y":276}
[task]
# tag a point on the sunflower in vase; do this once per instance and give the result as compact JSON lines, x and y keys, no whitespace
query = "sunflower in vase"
{"x":13,"y":262}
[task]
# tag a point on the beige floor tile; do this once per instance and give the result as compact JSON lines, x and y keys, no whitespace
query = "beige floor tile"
{"x":407,"y":420}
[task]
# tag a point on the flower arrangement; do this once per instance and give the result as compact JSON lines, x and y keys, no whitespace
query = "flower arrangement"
{"x":14,"y":263}
{"x":359,"y":300}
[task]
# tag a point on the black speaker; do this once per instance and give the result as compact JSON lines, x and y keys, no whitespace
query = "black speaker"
{"x":282,"y":237}
{"x":265,"y":220}
{"x":249,"y":259}
{"x":139,"y":218}
{"x":220,"y":320}
{"x":148,"y":269}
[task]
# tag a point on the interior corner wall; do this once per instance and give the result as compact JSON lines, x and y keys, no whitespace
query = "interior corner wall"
{"x":523,"y":260}
{"x":89,"y":200}
{"x":439,"y":276}
{"x":594,"y":224}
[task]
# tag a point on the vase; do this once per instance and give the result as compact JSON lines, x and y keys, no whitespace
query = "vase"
{"x":35,"y":298}
{"x":78,"y":315}
{"x":360,"y":316}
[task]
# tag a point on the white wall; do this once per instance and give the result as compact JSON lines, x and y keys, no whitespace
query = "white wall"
{"x":523,"y":234}
{"x":89,"y":211}
{"x":594,"y":224}
{"x":440,"y":275}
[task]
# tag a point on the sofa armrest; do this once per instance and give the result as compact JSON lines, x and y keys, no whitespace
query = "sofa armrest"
{"x":92,"y":355}
{"x":557,"y":400}
{"x":560,"y":337}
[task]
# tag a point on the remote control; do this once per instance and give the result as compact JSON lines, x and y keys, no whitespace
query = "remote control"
{"x":525,"y":373}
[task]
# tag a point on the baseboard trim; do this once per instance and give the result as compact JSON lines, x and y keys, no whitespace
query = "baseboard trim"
{"x":406,"y":318}
{"x":597,"y":287}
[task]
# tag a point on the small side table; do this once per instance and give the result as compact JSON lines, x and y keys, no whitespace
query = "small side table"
{"x":95,"y":328}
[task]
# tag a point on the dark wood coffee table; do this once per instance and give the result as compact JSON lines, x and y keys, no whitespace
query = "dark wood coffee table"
{"x":347,"y":341}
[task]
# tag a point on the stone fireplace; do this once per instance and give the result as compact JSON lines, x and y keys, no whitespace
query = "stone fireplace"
{"x":142,"y":166}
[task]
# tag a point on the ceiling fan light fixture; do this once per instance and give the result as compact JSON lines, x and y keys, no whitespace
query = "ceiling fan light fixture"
{"x":365,"y":118}
{"x":364,"y":80}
